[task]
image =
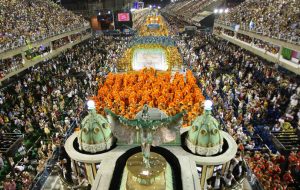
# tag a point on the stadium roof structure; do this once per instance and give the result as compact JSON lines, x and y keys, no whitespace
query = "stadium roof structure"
{"x":202,"y":15}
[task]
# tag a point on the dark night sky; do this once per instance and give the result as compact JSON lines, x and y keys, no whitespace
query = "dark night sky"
{"x":147,"y":2}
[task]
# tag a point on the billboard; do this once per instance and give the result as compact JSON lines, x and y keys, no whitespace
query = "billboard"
{"x":123,"y":17}
{"x":123,"y":20}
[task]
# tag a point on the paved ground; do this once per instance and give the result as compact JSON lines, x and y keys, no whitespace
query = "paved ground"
{"x":247,"y":185}
{"x":53,"y":183}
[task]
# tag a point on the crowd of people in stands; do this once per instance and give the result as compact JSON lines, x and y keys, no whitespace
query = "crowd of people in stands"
{"x":186,"y":9}
{"x":274,"y":18}
{"x":247,"y":91}
{"x":51,"y":98}
{"x":22,"y":21}
{"x":266,"y":46}
{"x":275,"y":171}
{"x":10,"y":64}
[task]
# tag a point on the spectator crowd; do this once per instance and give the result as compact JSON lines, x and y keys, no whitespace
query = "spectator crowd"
{"x":274,"y":18}
{"x":247,"y":91}
{"x":22,"y":21}
{"x":49,"y":99}
{"x":10,"y":64}
{"x":186,"y":9}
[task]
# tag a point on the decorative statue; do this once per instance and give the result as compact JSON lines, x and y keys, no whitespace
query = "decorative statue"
{"x":151,"y":131}
{"x":204,"y":137}
{"x":95,"y":134}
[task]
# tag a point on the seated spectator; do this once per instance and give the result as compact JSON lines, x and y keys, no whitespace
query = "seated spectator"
{"x":250,"y":145}
{"x":26,"y":180}
{"x":276,"y":127}
{"x":293,"y":158}
{"x":287,"y":177}
{"x":19,"y":168}
{"x":9,"y":184}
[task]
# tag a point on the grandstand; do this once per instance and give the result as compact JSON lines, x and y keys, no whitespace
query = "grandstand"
{"x":188,"y":9}
{"x":30,"y":32}
{"x":29,"y":21}
{"x":276,"y":19}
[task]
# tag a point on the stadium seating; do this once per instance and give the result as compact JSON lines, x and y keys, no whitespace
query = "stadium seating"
{"x":23,"y":21}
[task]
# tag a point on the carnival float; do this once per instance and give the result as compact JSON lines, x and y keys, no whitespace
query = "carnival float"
{"x":150,"y":127}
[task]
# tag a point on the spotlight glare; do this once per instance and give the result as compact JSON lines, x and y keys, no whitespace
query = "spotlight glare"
{"x":91,"y":104}
{"x":145,"y":172}
{"x":208,"y":105}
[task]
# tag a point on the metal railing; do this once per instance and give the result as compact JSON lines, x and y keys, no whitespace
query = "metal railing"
{"x":286,"y":38}
{"x":36,"y":38}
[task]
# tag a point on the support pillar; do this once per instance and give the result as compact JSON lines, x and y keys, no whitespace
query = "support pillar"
{"x":23,"y":58}
{"x":279,"y":53}
{"x":75,"y":169}
{"x":204,"y":177}
{"x":89,"y":173}
{"x":51,"y":46}
{"x":69,"y":38}
{"x":252,"y":42}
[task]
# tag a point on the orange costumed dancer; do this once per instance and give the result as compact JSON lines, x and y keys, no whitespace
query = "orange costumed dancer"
{"x":127,"y":93}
